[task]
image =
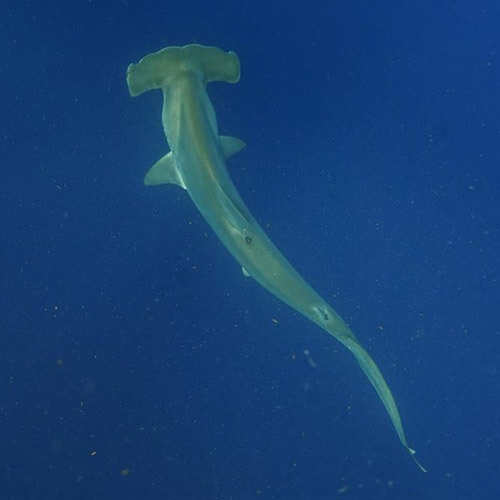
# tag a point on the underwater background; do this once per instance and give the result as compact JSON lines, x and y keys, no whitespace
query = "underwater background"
{"x":137,"y":362}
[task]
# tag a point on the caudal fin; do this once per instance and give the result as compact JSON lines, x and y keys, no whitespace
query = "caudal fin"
{"x":154,"y":70}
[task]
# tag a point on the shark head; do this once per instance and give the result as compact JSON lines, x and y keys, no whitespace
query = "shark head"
{"x":156,"y":70}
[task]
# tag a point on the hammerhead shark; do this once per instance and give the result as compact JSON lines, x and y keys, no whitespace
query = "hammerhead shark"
{"x":196,"y":162}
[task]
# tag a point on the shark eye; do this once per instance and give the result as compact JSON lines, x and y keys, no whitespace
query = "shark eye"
{"x":248,"y":240}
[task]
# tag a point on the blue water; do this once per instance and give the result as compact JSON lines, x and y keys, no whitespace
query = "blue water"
{"x":136,"y":362}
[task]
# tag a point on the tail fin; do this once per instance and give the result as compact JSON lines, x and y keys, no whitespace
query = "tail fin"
{"x":154,"y":70}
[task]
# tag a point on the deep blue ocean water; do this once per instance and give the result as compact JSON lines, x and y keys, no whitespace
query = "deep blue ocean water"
{"x":137,"y":362}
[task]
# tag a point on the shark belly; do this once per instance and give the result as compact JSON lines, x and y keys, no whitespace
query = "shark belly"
{"x":218,"y":201}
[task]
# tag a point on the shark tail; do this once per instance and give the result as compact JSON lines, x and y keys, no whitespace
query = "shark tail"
{"x":154,"y":70}
{"x":376,"y":378}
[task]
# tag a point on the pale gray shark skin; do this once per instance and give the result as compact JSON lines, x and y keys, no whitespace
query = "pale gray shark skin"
{"x":196,"y":163}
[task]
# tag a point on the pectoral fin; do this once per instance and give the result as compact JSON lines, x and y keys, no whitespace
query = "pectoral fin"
{"x":164,"y":171}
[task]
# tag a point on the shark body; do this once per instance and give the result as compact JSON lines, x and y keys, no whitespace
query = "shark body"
{"x":196,"y":162}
